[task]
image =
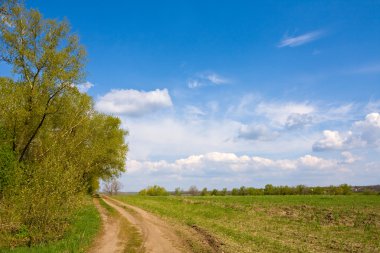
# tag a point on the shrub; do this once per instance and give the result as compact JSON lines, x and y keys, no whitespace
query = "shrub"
{"x":154,"y":191}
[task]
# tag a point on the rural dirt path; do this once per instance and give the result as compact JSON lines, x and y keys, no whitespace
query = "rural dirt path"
{"x":157,"y":236}
{"x":108,"y":240}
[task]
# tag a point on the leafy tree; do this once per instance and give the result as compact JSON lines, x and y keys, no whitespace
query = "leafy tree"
{"x":53,"y":145}
{"x":178,"y":191}
{"x":204,"y":192}
{"x":235,"y":192}
{"x":214,"y":192}
{"x":269,"y":189}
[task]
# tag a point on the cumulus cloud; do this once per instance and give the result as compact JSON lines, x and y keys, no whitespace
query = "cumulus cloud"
{"x":133,"y":102}
{"x":331,"y":140}
{"x":368,"y":130}
{"x":257,"y":132}
{"x":363,"y":134}
{"x":296,"y":41}
{"x":84,"y":87}
{"x":215,"y":163}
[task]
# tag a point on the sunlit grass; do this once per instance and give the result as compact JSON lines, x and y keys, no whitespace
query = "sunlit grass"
{"x":276,"y":223}
{"x":84,"y":228}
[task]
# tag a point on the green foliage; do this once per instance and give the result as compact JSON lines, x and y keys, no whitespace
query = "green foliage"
{"x":178,"y":191}
{"x":154,"y":191}
{"x":53,"y":145}
{"x":204,"y":192}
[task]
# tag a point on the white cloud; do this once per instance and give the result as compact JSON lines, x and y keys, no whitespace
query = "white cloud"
{"x":192,"y":84}
{"x":349,"y":157}
{"x":368,"y":130}
{"x":216,"y":164}
{"x":363,"y":134}
{"x":134,"y":102}
{"x":215,"y":78}
{"x":301,"y":39}
{"x":316,"y":162}
{"x":206,"y":79}
{"x":284,"y":113}
{"x":84,"y":87}
{"x":331,"y":140}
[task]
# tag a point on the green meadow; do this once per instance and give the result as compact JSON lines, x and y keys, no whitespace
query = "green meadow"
{"x":274,"y":223}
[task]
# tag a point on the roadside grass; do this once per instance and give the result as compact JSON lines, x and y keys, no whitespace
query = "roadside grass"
{"x":85,"y":226}
{"x":275,"y":223}
{"x":128,"y":231}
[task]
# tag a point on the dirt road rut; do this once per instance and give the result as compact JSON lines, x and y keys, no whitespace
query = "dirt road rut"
{"x":158,"y":237}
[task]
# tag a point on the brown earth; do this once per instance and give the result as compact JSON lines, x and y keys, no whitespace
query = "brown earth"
{"x":108,"y":241}
{"x":157,"y":236}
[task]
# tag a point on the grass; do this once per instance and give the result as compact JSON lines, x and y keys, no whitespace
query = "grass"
{"x":133,"y":243}
{"x":85,"y":226}
{"x":275,"y":223}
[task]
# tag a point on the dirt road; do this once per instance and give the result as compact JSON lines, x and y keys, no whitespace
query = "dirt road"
{"x":158,"y":237}
{"x":108,"y":240}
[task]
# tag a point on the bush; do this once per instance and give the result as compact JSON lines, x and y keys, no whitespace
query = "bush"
{"x":154,"y":191}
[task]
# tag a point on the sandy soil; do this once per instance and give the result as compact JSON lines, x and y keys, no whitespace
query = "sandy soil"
{"x":158,"y":237}
{"x":108,"y":241}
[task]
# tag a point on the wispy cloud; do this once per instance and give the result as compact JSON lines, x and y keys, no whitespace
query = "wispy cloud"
{"x":296,"y":41}
{"x":206,"y":79}
{"x":215,"y":78}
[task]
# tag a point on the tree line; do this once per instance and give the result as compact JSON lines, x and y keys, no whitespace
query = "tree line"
{"x":269,"y":189}
{"x":54,"y":146}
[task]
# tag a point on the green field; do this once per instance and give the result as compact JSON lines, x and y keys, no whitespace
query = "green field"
{"x":274,"y":223}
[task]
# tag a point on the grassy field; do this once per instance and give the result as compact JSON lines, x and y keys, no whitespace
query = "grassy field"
{"x":275,"y":223}
{"x":85,"y":226}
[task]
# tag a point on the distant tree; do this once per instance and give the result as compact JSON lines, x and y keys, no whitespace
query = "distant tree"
{"x":178,"y":191}
{"x":223,"y":192}
{"x":193,"y":190}
{"x":143,"y":192}
{"x":269,"y":189}
{"x":214,"y":192}
{"x":204,"y":192}
{"x":243,"y":191}
{"x":300,"y":189}
{"x":116,"y":186}
{"x":235,"y":191}
{"x":345,"y":189}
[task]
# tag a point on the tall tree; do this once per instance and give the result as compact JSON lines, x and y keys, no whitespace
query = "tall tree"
{"x":47,"y":60}
{"x":53,"y":144}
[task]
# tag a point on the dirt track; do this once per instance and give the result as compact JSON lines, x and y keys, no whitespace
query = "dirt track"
{"x":157,"y":236}
{"x":109,"y":240}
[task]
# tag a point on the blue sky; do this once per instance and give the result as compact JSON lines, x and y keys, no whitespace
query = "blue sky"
{"x":230,"y":93}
